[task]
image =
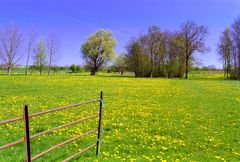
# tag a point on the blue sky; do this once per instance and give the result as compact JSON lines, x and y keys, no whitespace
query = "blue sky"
{"x":75,"y":20}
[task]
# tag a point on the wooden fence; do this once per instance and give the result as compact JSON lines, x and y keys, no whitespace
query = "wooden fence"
{"x":27,"y":138}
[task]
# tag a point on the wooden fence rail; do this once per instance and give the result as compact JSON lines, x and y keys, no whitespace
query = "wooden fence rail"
{"x":27,"y":138}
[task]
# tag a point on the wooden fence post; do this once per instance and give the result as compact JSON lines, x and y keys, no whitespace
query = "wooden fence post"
{"x":27,"y":134}
{"x":99,"y":124}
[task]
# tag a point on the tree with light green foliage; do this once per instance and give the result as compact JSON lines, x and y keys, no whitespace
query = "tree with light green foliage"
{"x":120,"y":63}
{"x":98,"y":49}
{"x":40,"y":56}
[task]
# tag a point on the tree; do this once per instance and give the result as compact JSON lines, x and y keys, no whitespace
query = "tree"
{"x":10,"y":48}
{"x":160,"y":53}
{"x":120,"y":63}
{"x":40,"y":56}
{"x":53,"y":48}
{"x":192,"y":37}
{"x":137,"y":58}
{"x":155,"y":42}
{"x":224,"y":48}
{"x":30,"y":42}
{"x":98,"y":49}
{"x":175,"y":57}
{"x":236,"y":48}
{"x":79,"y":68}
{"x":73,"y":68}
{"x":148,"y":51}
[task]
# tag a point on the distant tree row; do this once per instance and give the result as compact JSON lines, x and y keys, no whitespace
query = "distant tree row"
{"x":155,"y":54}
{"x":15,"y":48}
{"x":164,"y":54}
{"x":229,"y":50}
{"x":76,"y":68}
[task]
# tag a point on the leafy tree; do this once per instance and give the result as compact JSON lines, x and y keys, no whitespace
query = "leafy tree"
{"x":158,"y":54}
{"x":112,"y":69}
{"x":73,"y":68}
{"x":98,"y":49}
{"x":79,"y":68}
{"x":63,"y":68}
{"x":120,"y":63}
{"x":191,"y":37}
{"x":155,"y":44}
{"x":175,"y":57}
{"x":137,"y":58}
{"x":236,"y":49}
{"x":153,"y":52}
{"x":229,"y":50}
{"x":224,"y":48}
{"x":40,"y":56}
{"x":55,"y":68}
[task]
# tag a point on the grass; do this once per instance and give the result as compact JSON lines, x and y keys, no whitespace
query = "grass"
{"x":144,"y":119}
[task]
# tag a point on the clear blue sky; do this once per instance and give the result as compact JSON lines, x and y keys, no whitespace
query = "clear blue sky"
{"x":74,"y":20}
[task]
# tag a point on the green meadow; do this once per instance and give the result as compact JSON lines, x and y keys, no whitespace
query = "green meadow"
{"x":144,"y":119}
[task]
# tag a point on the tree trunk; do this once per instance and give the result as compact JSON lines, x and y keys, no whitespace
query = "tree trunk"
{"x":238,"y":69}
{"x":228,"y":68}
{"x":49,"y":69}
{"x":9,"y":70}
{"x":151,"y":75}
{"x":40,"y":70}
{"x":224,"y":68}
{"x":50,"y":65}
{"x":26,"y":68}
{"x":186,"y":75}
{"x":93,"y":72}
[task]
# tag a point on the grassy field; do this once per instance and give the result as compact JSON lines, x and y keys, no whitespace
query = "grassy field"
{"x":144,"y":119}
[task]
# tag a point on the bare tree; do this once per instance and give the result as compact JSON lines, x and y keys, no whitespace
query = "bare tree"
{"x":52,"y":50}
{"x":30,"y":42}
{"x":192,"y":40}
{"x":11,"y":42}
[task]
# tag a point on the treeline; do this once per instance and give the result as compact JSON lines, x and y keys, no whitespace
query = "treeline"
{"x":16,"y":47}
{"x":229,"y":50}
{"x":54,"y":69}
{"x":155,"y":53}
{"x":166,"y":54}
